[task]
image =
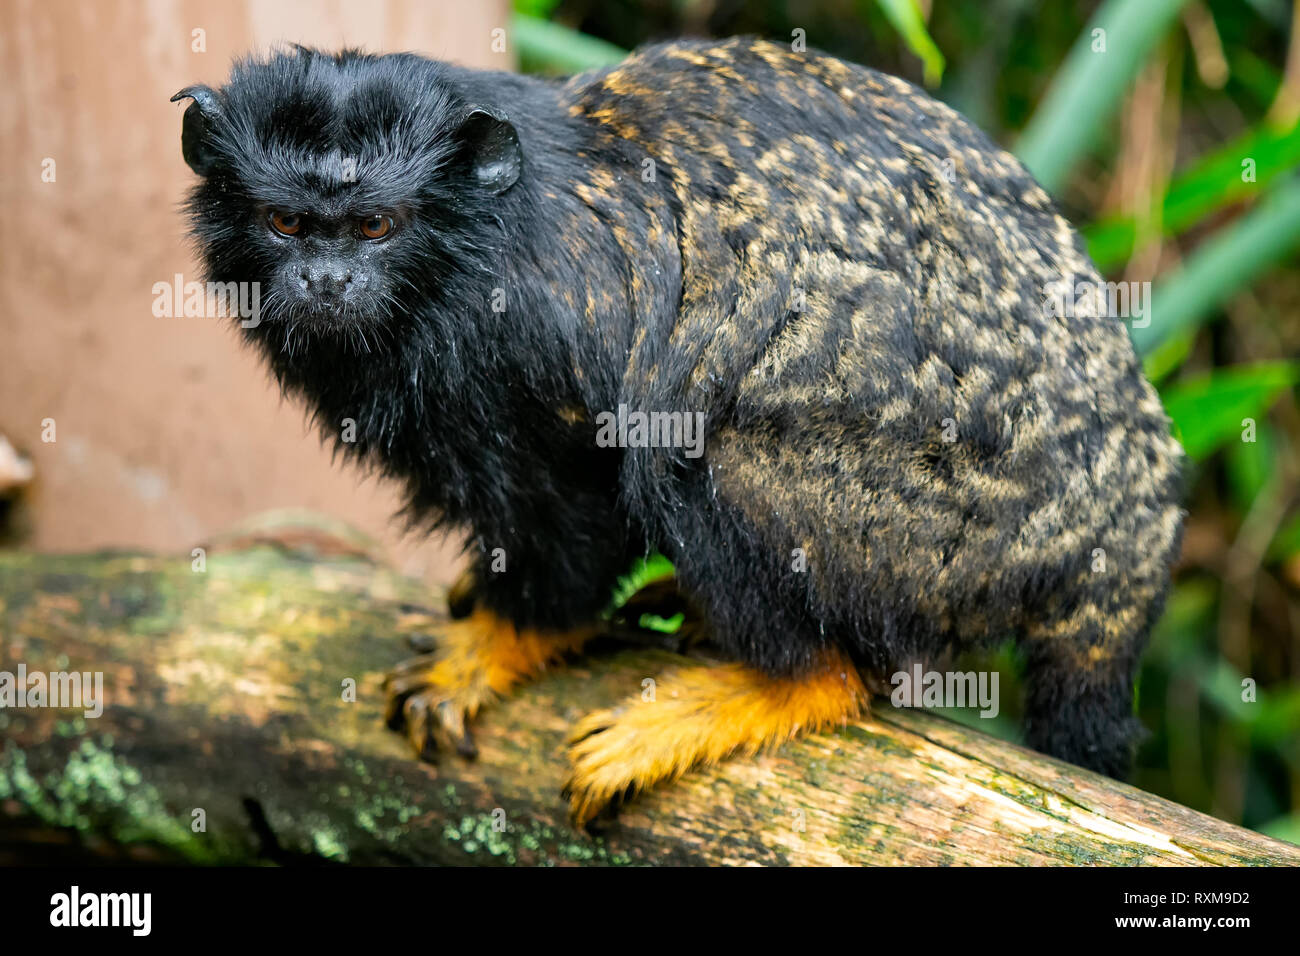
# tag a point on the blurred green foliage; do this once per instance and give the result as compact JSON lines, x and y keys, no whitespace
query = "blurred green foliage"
{"x":1167,"y":129}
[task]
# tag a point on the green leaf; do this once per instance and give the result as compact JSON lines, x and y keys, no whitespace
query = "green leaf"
{"x":643,"y":572}
{"x":1283,"y":828}
{"x":1166,"y":358}
{"x":1220,"y":685}
{"x":664,"y":625}
{"x":1254,"y":75}
{"x":1208,"y":410}
{"x":1271,"y":718}
{"x":1214,"y":182}
{"x":1250,"y":465}
{"x":1187,"y":624}
{"x":1287,"y":541}
{"x":907,"y":18}
{"x":546,"y":47}
{"x":1090,"y":85}
{"x":538,"y":9}
{"x":1279,"y":717}
{"x":1222,"y":265}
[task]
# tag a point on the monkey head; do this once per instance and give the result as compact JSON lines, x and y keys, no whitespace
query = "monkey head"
{"x":349,"y":187}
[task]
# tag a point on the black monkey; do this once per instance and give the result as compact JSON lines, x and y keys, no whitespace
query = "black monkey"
{"x":834,"y":282}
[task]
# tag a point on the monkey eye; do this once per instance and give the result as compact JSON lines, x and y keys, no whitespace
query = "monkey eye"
{"x":286,"y":223}
{"x":376,"y":227}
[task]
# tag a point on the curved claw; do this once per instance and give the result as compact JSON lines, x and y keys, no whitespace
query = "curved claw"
{"x":432,"y":717}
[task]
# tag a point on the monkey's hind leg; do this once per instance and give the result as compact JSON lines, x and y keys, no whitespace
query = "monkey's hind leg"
{"x":479,"y":657}
{"x":700,"y":715}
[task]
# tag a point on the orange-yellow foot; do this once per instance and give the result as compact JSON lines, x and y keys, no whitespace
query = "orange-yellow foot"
{"x":434,"y":696}
{"x":699,"y":715}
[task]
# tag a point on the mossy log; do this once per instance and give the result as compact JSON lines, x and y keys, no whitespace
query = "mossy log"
{"x":225,"y":706}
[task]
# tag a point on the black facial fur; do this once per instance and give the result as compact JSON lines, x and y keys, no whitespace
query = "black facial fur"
{"x":642,"y":236}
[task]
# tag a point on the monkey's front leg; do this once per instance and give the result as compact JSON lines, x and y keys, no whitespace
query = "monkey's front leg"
{"x":480,"y":656}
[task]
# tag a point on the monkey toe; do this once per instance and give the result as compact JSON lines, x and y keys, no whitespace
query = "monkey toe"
{"x":433,"y":717}
{"x":600,"y":777}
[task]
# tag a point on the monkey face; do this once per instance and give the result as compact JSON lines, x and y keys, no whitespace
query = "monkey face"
{"x":330,"y":263}
{"x":348,"y":187}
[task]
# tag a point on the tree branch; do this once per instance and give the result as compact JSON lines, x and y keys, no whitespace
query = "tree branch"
{"x":224,"y":694}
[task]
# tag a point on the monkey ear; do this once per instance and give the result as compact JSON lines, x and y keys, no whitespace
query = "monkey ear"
{"x":196,"y":127}
{"x":493,"y":148}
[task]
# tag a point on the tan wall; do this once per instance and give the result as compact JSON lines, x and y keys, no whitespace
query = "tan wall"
{"x":166,"y":429}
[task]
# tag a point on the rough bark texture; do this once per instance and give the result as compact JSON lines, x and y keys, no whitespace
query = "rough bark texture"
{"x":225,"y":693}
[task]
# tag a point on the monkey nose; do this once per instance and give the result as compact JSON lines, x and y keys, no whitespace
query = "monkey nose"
{"x":328,"y":282}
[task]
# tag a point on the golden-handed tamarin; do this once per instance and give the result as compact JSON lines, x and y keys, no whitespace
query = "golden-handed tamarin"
{"x":784,"y":319}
